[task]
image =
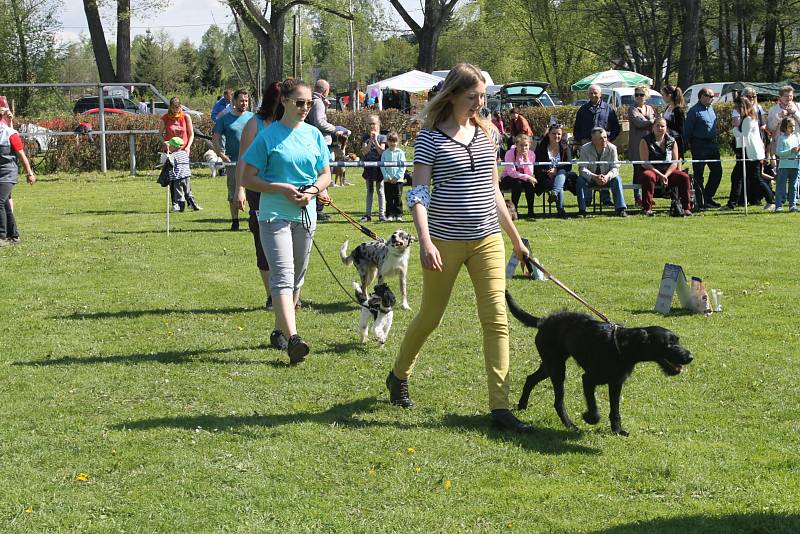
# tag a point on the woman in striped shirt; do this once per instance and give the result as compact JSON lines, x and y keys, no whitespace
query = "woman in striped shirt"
{"x":458,"y":223}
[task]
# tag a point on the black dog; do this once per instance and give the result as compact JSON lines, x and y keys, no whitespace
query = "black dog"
{"x":607,"y":353}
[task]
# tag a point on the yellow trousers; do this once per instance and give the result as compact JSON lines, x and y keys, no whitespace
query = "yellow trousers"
{"x":485,"y":261}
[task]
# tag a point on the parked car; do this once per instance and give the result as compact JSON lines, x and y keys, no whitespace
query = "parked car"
{"x":116,"y":102}
{"x":623,"y":96}
{"x":690,"y":94}
{"x":112,"y":111}
{"x":522,"y":94}
{"x":579,"y":102}
{"x":162,"y":107}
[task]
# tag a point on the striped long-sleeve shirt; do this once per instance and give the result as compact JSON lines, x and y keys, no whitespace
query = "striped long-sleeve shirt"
{"x":463,"y":205}
{"x":180,"y":165}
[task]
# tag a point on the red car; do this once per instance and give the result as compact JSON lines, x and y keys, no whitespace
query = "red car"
{"x":95,"y":111}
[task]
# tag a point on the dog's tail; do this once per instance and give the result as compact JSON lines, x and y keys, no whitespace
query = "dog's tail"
{"x":522,"y":316}
{"x":360,"y":295}
{"x":347,"y":259}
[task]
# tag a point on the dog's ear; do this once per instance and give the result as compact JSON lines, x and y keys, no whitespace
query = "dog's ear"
{"x":638,"y":336}
{"x":411,"y":239}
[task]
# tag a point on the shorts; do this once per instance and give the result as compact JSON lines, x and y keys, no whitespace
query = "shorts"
{"x":230,"y":175}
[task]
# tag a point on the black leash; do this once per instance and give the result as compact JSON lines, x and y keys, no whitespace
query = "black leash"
{"x":346,"y":292}
{"x":531,"y":265}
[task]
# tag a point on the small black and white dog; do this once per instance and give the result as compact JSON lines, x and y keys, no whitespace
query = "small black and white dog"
{"x":381,"y":259}
{"x":378,"y":307}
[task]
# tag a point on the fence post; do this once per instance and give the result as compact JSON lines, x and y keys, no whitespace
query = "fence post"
{"x":103,"y":165}
{"x":132,"y":150}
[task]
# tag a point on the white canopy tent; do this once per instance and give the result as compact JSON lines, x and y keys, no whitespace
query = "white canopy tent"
{"x":413,"y":82}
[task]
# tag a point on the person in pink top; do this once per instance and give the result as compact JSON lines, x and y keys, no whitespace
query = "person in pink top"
{"x":520,"y":176}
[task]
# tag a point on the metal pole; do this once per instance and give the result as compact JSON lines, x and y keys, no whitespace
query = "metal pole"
{"x":744,"y":174}
{"x":169,"y":206}
{"x":132,"y":151}
{"x":103,"y":165}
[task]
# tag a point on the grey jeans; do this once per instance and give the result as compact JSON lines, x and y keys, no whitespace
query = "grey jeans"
{"x":287,"y":245}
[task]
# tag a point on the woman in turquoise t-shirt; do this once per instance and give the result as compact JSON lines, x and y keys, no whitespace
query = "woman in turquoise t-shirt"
{"x":289,"y":164}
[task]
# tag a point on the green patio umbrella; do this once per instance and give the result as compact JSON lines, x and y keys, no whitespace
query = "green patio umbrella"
{"x":612,"y":78}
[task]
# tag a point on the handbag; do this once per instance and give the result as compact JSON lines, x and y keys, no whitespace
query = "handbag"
{"x":163,"y":177}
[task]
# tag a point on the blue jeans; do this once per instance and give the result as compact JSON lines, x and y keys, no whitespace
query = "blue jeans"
{"x":784,"y":176}
{"x":558,"y":188}
{"x":585,"y":193}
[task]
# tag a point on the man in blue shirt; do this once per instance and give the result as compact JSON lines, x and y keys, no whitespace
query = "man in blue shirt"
{"x":230,"y":126}
{"x":700,"y":136}
{"x":220,"y":105}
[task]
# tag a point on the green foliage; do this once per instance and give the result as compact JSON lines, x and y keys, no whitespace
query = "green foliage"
{"x":211,"y":73}
{"x":142,"y":361}
{"x":189,"y":60}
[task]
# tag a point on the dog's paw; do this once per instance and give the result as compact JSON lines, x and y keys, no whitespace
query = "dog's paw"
{"x":591,"y":418}
{"x":619,"y":431}
{"x":522,"y":405}
{"x":405,"y":306}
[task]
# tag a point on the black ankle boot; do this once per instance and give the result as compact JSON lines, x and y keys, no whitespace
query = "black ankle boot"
{"x":398,"y":391}
{"x":505,"y":420}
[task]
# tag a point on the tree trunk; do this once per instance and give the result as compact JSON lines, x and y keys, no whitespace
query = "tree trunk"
{"x":273,"y":53}
{"x":24,"y":74}
{"x":690,"y":35}
{"x":101,"y":55}
{"x":124,"y":41}
{"x":427,"y":40}
{"x":770,"y":43}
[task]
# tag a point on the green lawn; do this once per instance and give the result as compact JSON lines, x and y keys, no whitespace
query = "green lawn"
{"x":138,"y":392}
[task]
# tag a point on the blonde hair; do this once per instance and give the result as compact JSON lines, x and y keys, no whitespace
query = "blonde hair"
{"x":522,"y":138}
{"x":460,"y":79}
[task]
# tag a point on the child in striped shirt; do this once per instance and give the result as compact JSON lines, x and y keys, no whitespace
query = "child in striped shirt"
{"x":180,"y":176}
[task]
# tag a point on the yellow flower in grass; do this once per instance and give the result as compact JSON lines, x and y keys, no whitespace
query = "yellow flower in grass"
{"x":411,"y":450}
{"x":29,"y":510}
{"x":82,"y":477}
{"x":447,"y":485}
{"x":372,"y":471}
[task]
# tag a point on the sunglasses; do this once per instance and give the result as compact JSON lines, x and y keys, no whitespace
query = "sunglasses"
{"x":640,"y":94}
{"x":301,"y":103}
{"x":706,"y":95}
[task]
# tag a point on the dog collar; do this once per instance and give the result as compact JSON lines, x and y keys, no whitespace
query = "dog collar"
{"x":614,"y":328}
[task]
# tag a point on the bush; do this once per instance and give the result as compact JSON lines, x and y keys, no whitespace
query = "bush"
{"x":356,"y":121}
{"x":82,"y":153}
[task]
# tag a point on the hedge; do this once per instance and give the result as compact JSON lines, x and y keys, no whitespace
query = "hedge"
{"x":75,"y":153}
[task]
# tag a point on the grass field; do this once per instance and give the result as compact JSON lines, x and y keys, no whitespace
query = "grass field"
{"x":138,"y":392}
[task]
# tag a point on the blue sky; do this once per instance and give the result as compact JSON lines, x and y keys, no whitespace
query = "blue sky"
{"x":191,"y":18}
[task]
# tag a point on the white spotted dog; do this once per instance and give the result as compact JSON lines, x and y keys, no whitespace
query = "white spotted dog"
{"x":213,"y":161}
{"x":379,"y":307}
{"x":381,"y":259}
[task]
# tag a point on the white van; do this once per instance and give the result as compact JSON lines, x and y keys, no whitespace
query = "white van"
{"x":623,"y":96}
{"x":690,"y":94}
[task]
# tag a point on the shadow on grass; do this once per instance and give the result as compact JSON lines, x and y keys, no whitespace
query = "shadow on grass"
{"x":113,"y":212}
{"x":332,"y":307}
{"x":171,"y":357}
{"x":345,"y":415}
{"x":677,"y":312}
{"x":349,"y":414}
{"x":543,"y":440}
{"x":771,"y":523}
{"x":160,"y":311}
{"x":217,"y":220}
{"x":171,"y":230}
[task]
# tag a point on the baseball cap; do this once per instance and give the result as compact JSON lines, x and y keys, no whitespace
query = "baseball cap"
{"x":175,"y":142}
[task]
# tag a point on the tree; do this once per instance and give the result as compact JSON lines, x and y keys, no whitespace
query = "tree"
{"x":188,"y":58}
{"x":27,"y":46}
{"x":147,"y":54}
{"x":124,"y":41}
{"x":101,"y":55}
{"x":436,"y":13}
{"x":211,"y":74}
{"x":269,"y":32}
{"x":689,"y":38}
